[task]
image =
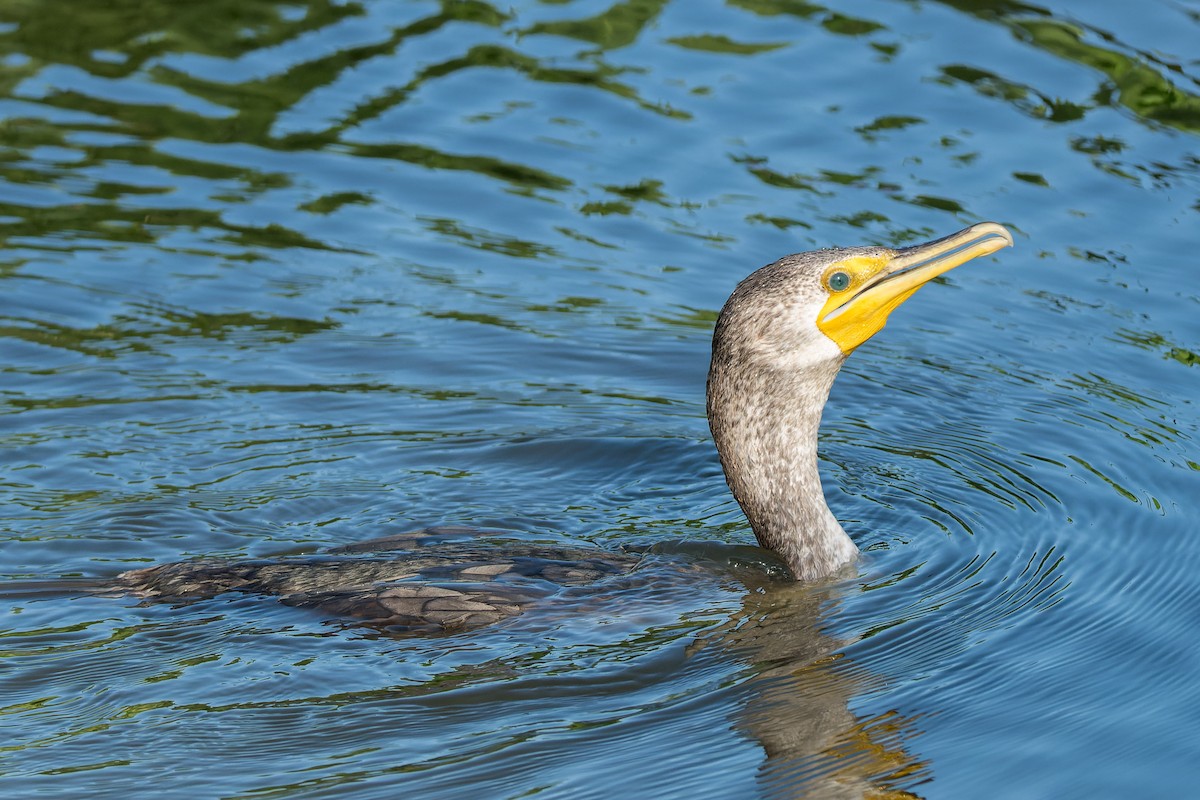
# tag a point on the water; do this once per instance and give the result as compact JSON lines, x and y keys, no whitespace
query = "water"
{"x":284,"y":276}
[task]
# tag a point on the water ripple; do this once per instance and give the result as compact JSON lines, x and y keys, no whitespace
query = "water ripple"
{"x":279,"y":277}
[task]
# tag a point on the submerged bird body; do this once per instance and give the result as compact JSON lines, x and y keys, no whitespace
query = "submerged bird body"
{"x":444,"y":578}
{"x":778,"y":344}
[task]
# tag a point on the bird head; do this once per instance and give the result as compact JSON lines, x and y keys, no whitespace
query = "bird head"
{"x":818,"y":307}
{"x":862,"y":290}
{"x":777,"y":348}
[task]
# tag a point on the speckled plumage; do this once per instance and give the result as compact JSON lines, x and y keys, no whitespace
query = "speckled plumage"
{"x":770,"y":376}
{"x":436,"y":579}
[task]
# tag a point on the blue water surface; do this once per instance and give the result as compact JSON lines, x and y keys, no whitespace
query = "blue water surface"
{"x":280,"y":276}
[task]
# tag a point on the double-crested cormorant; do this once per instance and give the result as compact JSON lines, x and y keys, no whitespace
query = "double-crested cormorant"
{"x":778,"y":345}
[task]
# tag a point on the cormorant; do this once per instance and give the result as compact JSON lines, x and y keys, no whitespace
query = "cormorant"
{"x":779,"y":342}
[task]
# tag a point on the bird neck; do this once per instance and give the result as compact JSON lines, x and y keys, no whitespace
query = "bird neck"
{"x":765,"y":425}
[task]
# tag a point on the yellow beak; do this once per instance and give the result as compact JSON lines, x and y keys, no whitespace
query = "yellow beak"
{"x":876,"y":285}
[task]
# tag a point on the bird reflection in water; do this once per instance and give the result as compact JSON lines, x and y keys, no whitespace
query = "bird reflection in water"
{"x":796,"y":702}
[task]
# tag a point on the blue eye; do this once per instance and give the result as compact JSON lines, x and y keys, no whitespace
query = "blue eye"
{"x":839,"y":281}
